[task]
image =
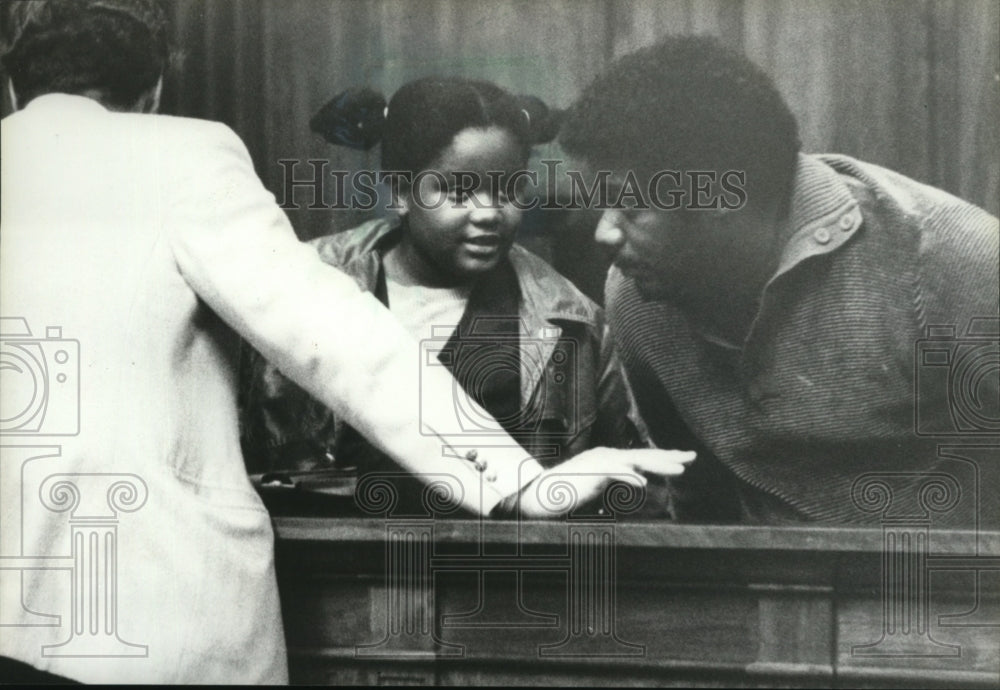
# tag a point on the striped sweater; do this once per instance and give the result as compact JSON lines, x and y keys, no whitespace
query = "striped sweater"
{"x":832,"y":404}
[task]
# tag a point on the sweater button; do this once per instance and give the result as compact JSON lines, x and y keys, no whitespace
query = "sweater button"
{"x":846,"y":222}
{"x":757,"y":391}
{"x":822,"y":235}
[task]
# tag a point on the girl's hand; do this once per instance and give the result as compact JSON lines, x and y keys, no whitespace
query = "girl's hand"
{"x":587,"y":476}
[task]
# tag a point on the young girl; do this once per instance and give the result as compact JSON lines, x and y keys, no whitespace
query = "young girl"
{"x":519,"y":338}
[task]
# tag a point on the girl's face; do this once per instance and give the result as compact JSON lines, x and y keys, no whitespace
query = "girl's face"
{"x":461,"y":223}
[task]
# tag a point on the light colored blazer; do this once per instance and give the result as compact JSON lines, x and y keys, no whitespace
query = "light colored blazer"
{"x":150,"y":242}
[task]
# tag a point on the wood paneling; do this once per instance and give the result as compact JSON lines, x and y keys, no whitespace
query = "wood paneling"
{"x":694,"y":605}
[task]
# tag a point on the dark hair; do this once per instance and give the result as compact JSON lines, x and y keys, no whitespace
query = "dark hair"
{"x":687,"y":103}
{"x":425,"y":115}
{"x":117,"y":47}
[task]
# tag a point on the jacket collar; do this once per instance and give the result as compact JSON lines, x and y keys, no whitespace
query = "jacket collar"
{"x":547,"y":301}
{"x":63,"y":101}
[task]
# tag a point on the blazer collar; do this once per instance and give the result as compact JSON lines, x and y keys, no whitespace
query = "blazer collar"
{"x":63,"y":102}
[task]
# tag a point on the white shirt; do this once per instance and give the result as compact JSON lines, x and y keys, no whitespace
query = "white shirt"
{"x":427,"y":312}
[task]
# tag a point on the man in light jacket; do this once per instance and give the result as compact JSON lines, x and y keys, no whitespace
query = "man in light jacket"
{"x":136,"y":250}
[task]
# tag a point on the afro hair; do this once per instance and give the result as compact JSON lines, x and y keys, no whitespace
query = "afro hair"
{"x":687,"y":103}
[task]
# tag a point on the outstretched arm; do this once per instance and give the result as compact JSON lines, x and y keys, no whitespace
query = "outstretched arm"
{"x":237,"y":251}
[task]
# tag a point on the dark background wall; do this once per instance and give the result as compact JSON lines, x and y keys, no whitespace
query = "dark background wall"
{"x":913,"y":85}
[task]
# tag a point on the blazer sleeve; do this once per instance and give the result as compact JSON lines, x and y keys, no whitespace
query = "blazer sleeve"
{"x":236,"y":249}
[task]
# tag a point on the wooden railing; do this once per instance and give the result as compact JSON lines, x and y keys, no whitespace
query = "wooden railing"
{"x":414,"y":600}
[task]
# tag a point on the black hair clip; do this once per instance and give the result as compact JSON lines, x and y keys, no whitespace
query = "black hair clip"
{"x":353,"y":118}
{"x":543,"y":122}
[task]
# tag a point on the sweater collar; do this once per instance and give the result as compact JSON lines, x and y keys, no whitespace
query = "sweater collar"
{"x":823,"y":215}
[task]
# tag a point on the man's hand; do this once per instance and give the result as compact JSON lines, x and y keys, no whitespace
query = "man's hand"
{"x":584,"y":478}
